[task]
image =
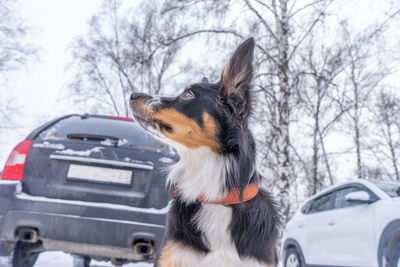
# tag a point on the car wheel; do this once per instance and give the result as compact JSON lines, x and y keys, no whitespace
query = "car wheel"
{"x":293,"y":258}
{"x":81,"y":261}
{"x":393,"y":259}
{"x":23,"y":255}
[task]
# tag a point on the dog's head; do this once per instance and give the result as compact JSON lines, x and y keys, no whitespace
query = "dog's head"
{"x":204,"y":114}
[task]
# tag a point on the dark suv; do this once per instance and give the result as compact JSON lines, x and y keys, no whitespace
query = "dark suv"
{"x":88,"y":185}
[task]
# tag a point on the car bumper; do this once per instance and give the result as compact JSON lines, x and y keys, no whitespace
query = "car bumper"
{"x":88,"y":228}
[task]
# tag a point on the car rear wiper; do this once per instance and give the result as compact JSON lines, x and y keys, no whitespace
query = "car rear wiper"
{"x":93,"y":137}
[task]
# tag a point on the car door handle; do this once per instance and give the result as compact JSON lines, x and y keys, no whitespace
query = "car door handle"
{"x":300,"y":226}
{"x":332,"y":223}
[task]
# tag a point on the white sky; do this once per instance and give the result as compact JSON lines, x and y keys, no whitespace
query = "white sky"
{"x":39,"y":88}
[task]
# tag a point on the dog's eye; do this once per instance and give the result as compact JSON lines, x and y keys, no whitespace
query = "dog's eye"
{"x":187,"y":95}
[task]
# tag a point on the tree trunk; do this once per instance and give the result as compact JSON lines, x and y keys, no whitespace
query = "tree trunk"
{"x":283,"y":107}
{"x":393,"y":153}
{"x":357,"y":124}
{"x":315,"y":159}
{"x":358,"y":147}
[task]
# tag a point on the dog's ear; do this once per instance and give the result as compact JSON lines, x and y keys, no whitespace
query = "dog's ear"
{"x":236,"y":78}
{"x":204,"y":80}
{"x":238,"y":73}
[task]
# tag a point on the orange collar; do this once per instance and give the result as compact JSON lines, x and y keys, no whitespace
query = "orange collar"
{"x":233,"y":197}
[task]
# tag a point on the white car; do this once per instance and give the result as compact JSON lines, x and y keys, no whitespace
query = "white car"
{"x":355,"y":223}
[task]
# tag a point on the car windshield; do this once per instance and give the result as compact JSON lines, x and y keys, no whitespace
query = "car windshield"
{"x":391,"y":188}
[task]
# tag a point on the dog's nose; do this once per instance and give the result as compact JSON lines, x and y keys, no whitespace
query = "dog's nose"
{"x":135,"y":96}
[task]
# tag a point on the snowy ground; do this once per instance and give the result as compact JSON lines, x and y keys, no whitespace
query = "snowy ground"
{"x":60,"y":259}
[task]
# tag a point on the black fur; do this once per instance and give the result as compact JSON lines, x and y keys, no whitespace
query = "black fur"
{"x":254,"y":228}
{"x":255,"y":224}
{"x":181,"y":226}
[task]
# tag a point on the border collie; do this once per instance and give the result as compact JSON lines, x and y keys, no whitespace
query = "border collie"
{"x":219,"y":216}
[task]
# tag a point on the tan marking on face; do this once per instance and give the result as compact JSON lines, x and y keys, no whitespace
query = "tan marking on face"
{"x":188,"y":86}
{"x":186,"y":131}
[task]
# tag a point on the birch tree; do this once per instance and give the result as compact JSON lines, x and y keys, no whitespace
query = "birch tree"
{"x":366,"y":69}
{"x":387,"y":143}
{"x":322,"y":101}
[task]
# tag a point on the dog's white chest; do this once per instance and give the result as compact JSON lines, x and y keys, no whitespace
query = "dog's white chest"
{"x":213,"y":221}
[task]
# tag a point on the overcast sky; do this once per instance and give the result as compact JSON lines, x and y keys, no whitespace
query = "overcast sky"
{"x":38,"y":89}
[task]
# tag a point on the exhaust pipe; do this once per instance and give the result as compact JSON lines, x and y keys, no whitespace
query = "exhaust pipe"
{"x":143,"y":247}
{"x":29,"y":235}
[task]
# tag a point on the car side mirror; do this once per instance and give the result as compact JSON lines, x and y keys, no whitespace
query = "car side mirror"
{"x":359,"y":196}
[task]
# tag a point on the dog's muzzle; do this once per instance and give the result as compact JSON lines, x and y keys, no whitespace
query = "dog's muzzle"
{"x":136,"y":96}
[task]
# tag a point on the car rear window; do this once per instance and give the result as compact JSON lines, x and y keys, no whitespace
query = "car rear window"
{"x":107,"y":131}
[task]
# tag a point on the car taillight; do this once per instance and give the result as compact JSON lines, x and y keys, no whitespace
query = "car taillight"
{"x":14,"y":168}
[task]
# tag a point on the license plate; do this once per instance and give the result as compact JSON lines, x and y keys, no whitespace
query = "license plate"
{"x":99,"y":174}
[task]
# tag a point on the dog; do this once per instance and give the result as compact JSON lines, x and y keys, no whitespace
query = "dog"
{"x":220,"y":216}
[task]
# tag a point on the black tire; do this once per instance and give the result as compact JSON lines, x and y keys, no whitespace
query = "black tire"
{"x":22,"y":255}
{"x":394,"y":256}
{"x":81,"y":261}
{"x":293,"y":258}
